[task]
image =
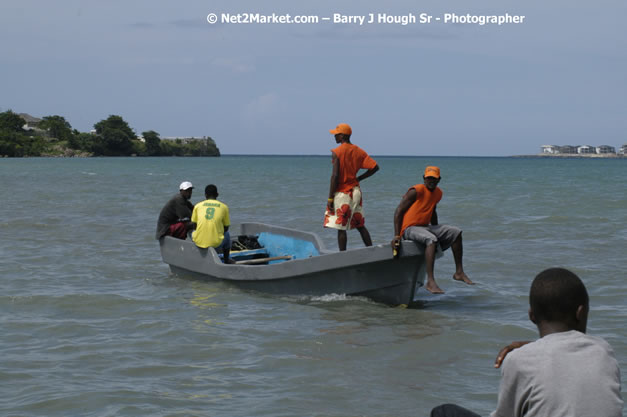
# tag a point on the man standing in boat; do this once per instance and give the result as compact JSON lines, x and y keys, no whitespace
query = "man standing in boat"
{"x":174,"y":218}
{"x":344,"y":205}
{"x":212,"y":223}
{"x":416,"y":219}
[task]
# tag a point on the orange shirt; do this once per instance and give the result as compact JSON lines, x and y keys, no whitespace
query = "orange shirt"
{"x":420,"y":212}
{"x":351,"y":158}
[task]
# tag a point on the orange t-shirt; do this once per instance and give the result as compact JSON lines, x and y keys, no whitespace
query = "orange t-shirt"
{"x":351,"y":158}
{"x":420,"y":212}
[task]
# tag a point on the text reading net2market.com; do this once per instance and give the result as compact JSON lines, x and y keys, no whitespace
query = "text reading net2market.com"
{"x":366,"y":19}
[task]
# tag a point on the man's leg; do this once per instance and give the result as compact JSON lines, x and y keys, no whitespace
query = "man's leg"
{"x":177,"y":230}
{"x":357,"y":220}
{"x":451,"y":236}
{"x":225,"y":254}
{"x":422,"y":236}
{"x":458,"y":253}
{"x":365,"y":235}
{"x":431,"y":286}
{"x":452,"y":410}
{"x":341,"y":239}
{"x":337,"y":219}
{"x":226,"y":248}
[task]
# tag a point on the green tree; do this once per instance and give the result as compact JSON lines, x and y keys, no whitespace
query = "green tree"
{"x":171,"y":148}
{"x":116,"y":137}
{"x":115,"y":122}
{"x":12,"y":122}
{"x":12,"y":137}
{"x":57,"y":127}
{"x":153,"y":143}
{"x":34,"y":146}
{"x":211,"y":148}
{"x":116,"y":142}
{"x":18,"y":144}
{"x":139,"y":148}
{"x":201,"y":147}
{"x":86,"y":142}
{"x":10,"y":143}
{"x":74,"y":141}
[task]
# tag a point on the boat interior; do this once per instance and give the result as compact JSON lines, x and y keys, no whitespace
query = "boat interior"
{"x":268,"y":248}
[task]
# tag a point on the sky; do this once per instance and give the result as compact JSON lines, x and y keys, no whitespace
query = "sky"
{"x":438,"y":88}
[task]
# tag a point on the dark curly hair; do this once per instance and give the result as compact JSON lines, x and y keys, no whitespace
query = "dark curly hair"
{"x":555,"y":295}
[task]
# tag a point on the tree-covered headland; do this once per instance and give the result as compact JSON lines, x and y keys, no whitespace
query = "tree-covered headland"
{"x":54,"y":136}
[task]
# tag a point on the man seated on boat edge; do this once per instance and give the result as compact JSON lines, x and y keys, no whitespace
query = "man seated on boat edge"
{"x":174,"y":218}
{"x":344,"y":210}
{"x":212,"y":224}
{"x":563,"y":373}
{"x":416,"y":219}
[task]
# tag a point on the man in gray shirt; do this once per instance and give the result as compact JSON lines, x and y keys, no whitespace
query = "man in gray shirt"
{"x":565,"y":373}
{"x":174,"y":218}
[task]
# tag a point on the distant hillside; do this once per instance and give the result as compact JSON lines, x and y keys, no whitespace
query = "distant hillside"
{"x":24,"y":135}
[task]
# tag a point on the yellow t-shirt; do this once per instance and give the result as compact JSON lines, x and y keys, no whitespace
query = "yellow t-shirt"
{"x":210,"y":216}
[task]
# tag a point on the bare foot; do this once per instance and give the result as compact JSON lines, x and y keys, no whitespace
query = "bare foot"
{"x":462,"y":277}
{"x":433,"y":288}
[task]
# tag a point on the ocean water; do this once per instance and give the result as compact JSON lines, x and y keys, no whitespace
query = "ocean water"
{"x":94,"y":324}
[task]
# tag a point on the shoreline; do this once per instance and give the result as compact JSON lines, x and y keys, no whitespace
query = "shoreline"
{"x":573,"y":156}
{"x":83,"y":154}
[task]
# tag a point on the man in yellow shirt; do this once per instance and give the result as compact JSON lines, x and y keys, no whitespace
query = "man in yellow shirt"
{"x":212,"y":223}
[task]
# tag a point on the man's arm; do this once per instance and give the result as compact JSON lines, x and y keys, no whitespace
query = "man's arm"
{"x":512,"y":391}
{"x":434,"y":216}
{"x":335,"y":177}
{"x":183,"y":210}
{"x":368,"y":173}
{"x":190,"y":224}
{"x":408,"y":199}
{"x":503,"y":352}
{"x":226,"y":221}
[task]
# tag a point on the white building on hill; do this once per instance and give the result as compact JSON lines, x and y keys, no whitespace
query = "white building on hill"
{"x":582,"y":150}
{"x":585,"y":149}
{"x":605,"y":149}
{"x":551,"y":149}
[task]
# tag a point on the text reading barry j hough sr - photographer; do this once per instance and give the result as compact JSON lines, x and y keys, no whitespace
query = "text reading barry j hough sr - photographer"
{"x":366,"y":19}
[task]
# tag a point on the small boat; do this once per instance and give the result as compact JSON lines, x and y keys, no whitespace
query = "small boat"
{"x":292,"y":262}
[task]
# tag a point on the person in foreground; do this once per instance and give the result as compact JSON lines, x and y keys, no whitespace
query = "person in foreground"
{"x":212,"y":223}
{"x":565,"y":373}
{"x":174,"y":218}
{"x":416,"y":219}
{"x":344,"y":206}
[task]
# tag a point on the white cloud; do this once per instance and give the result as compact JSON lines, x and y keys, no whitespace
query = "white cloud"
{"x":262,"y":108}
{"x":233,"y":65}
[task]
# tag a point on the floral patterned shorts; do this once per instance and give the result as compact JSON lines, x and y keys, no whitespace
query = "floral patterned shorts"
{"x":349,"y":213}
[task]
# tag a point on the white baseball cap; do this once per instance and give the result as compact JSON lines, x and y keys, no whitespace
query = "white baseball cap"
{"x":185,"y":185}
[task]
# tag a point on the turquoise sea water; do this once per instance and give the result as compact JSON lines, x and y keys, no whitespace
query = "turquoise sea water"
{"x":93,"y":323}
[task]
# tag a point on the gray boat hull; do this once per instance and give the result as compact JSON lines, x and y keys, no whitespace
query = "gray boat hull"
{"x":370,"y":272}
